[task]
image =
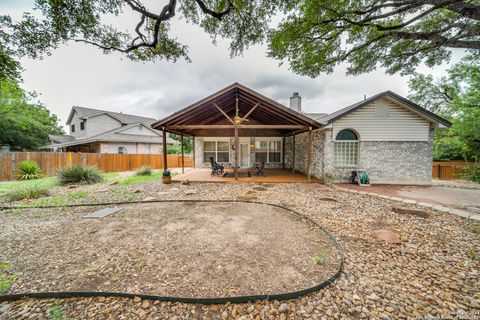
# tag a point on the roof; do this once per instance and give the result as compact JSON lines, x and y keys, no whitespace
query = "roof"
{"x":343,"y":112}
{"x":60,"y":138}
{"x":115,"y":135}
{"x":85,"y":113}
{"x":317,"y":116}
{"x":203,"y":118}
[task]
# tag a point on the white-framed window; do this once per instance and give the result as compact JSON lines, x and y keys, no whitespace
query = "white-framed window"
{"x":82,"y":124}
{"x":72,"y":128}
{"x":122,"y":150}
{"x":268,"y":150}
{"x":346,"y":149}
{"x":219,"y":150}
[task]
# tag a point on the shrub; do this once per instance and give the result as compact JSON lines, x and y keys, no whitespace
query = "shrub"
{"x":166,"y":173}
{"x":320,"y":259}
{"x":5,"y":279}
{"x":144,"y":171}
{"x":473,"y":174}
{"x":79,"y":173}
{"x":29,"y":170}
{"x":29,"y":192}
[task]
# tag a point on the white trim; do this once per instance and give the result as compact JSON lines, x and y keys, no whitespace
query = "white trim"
{"x":270,"y":139}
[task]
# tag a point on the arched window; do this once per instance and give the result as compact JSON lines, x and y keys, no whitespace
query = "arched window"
{"x":122,"y":150}
{"x":346,"y":148}
{"x":346,"y":134}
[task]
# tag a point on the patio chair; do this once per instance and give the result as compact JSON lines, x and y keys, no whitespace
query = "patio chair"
{"x":259,"y":168}
{"x":216,"y":168}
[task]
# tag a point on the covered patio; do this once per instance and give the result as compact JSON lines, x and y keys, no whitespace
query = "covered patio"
{"x":240,"y":129}
{"x":271,"y":176}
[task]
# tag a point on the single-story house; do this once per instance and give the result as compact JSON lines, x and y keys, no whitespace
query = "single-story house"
{"x":100,"y":131}
{"x":387,"y":135}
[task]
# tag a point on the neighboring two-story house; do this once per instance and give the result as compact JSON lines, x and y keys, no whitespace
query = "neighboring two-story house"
{"x":100,"y":131}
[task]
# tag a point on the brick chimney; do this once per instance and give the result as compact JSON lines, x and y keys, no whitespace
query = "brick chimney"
{"x":296,"y":102}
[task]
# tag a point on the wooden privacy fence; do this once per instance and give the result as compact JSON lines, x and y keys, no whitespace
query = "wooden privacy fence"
{"x":451,"y":170}
{"x":50,"y":162}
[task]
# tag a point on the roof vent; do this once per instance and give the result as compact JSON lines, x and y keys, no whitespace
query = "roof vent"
{"x":296,"y":102}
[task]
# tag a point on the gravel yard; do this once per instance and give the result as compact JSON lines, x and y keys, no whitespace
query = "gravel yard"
{"x":432,"y":271}
{"x":183,"y":249}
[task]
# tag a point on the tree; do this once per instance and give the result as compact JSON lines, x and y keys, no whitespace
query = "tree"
{"x":176,"y":148}
{"x":456,"y":96}
{"x":398,"y":35}
{"x":24,"y":125}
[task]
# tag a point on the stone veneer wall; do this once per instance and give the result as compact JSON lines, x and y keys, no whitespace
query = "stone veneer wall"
{"x":301,"y":145}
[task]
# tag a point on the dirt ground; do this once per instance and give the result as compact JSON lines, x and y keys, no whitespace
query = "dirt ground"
{"x":174,"y":249}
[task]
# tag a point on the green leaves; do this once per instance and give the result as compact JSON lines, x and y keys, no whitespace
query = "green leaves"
{"x":456,"y":96}
{"x":24,"y":125}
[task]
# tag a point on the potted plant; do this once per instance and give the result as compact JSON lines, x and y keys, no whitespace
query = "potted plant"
{"x":166,"y":177}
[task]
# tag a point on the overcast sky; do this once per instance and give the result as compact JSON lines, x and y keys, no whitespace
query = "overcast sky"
{"x":81,"y":75}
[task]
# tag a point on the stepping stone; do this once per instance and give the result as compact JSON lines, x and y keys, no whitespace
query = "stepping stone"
{"x":327,"y":199}
{"x":388,"y":236}
{"x":410,"y":211}
{"x":190,"y":192}
{"x":103,"y":213}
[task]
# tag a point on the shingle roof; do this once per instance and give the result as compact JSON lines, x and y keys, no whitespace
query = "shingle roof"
{"x":115,"y":135}
{"x":343,"y":112}
{"x":122,"y":117}
{"x":60,"y":139}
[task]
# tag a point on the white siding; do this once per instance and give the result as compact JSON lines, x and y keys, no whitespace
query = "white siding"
{"x":145,"y":148}
{"x":101,"y":123}
{"x":400,"y":124}
{"x":79,"y":134}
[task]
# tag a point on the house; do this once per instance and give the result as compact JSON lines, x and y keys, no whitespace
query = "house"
{"x":100,"y":131}
{"x":386,"y":135}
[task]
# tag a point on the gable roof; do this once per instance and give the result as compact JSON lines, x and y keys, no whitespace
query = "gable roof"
{"x":265,"y":111}
{"x":328,"y":119}
{"x":84,"y":113}
{"x":116,"y":135}
{"x":60,"y":138}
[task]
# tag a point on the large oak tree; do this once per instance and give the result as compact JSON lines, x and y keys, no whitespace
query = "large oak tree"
{"x":314,"y":35}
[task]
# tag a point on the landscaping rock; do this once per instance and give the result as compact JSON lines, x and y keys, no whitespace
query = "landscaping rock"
{"x":388,"y":236}
{"x":411,"y":211}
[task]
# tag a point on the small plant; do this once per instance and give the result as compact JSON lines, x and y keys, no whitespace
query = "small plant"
{"x":57,"y":312}
{"x":472,"y":255}
{"x":328,"y":179}
{"x":473,"y":174}
{"x":320,"y":259}
{"x":5,"y":279}
{"x":29,"y":170}
{"x":186,"y":182}
{"x":144,"y":171}
{"x":166,"y":173}
{"x":79,"y":173}
{"x":29,"y":192}
{"x":475,"y":229}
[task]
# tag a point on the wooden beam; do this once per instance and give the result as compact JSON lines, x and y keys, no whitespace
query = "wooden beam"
{"x":226,"y":116}
{"x":193,"y":152}
{"x":309,"y":154}
{"x":240,"y":126}
{"x":183,"y":160}
{"x":293,"y":154}
{"x":251,"y":110}
{"x":165,"y":167}
{"x":236,"y":152}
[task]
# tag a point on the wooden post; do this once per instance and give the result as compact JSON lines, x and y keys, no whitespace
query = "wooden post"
{"x":283,"y":153}
{"x":236,"y":153}
{"x":293,"y":153}
{"x":193,"y":152}
{"x":165,"y":167}
{"x":183,"y":162}
{"x":309,"y":154}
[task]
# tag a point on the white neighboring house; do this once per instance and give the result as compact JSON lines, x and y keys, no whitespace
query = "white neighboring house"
{"x":100,"y":131}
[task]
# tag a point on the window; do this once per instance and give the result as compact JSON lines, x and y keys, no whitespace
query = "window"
{"x":122,"y":150}
{"x":218,"y":150}
{"x":82,"y":125}
{"x":72,"y":128}
{"x":269,"y":151}
{"x":346,"y":149}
